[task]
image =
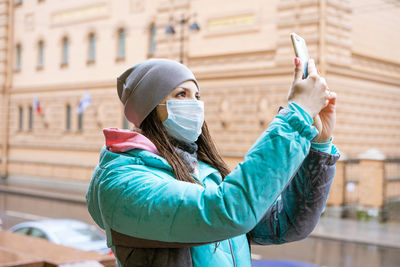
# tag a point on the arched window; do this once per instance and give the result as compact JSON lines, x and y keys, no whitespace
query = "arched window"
{"x":68,"y":118}
{"x":152,"y":41}
{"x":121,"y":44}
{"x":80,"y":122}
{"x":30,"y":119}
{"x":18,"y":56}
{"x":65,"y":51}
{"x":20,"y":118}
{"x":40,"y":55}
{"x":125,"y":122}
{"x":92,"y":48}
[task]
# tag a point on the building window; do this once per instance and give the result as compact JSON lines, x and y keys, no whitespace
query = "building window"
{"x":18,"y":57}
{"x":152,"y":42}
{"x":92,"y":48}
{"x":20,"y":119}
{"x":30,"y":119}
{"x":80,"y":121}
{"x":68,"y":118}
{"x":121,"y":44}
{"x":40,"y":55}
{"x":65,"y":50}
{"x":126,"y":123}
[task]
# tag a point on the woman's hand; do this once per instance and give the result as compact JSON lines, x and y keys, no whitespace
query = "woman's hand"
{"x":325,"y":121}
{"x":310,"y":93}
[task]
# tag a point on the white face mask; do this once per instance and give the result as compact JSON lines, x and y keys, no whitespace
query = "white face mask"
{"x":185,"y":119}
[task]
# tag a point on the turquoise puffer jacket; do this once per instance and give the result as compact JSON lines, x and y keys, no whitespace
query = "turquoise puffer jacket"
{"x":135,"y":193}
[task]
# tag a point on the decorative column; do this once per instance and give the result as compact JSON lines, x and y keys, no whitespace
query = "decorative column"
{"x":324,"y":24}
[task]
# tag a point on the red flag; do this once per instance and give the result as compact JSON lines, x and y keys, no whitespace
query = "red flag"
{"x":36,"y":105}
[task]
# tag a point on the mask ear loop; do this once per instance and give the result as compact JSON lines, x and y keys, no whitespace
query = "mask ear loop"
{"x":168,"y":115}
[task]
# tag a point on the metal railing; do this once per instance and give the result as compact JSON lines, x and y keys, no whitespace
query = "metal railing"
{"x":367,"y":184}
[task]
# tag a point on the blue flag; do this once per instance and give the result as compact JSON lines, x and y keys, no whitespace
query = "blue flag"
{"x":86,"y":100}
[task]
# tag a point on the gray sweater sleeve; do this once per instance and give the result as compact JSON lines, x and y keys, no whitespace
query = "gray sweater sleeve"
{"x":295,"y":215}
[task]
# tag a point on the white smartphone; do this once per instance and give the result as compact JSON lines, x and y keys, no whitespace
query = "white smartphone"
{"x":300,"y":50}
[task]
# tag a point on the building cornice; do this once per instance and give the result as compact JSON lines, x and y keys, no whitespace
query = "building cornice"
{"x":58,"y":147}
{"x":243,"y":73}
{"x":63,"y":87}
{"x":362,"y":74}
{"x":60,"y":164}
{"x":228,"y":73}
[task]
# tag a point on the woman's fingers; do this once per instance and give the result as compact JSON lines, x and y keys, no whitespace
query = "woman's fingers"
{"x":332,"y":98}
{"x":312,"y":93}
{"x":323,"y":83}
{"x":331,"y":103}
{"x":298,"y":70}
{"x":312,"y":70}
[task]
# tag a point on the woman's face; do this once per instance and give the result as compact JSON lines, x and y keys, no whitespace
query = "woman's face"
{"x":185,"y":91}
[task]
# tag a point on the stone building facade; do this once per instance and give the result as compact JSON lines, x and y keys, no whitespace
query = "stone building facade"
{"x":55,"y":52}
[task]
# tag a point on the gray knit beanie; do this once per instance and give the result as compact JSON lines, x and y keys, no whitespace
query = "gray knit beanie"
{"x":142,"y":87}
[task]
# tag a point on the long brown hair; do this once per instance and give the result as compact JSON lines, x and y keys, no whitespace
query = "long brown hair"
{"x":153,"y":129}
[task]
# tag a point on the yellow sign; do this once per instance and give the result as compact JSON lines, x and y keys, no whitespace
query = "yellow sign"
{"x":79,"y":14}
{"x":231,"y":22}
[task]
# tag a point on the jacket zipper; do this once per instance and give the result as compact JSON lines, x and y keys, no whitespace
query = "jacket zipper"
{"x":233,"y":256}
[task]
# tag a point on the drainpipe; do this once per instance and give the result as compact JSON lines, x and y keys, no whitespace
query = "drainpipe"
{"x":322,"y":40}
{"x":6,"y":90}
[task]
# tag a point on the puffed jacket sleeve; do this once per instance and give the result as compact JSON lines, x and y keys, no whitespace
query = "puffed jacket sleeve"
{"x":296,"y":213}
{"x":134,"y":201}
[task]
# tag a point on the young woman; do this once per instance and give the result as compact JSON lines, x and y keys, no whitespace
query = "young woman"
{"x":164,"y":195}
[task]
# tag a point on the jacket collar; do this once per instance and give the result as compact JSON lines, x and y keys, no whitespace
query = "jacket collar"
{"x":140,"y":150}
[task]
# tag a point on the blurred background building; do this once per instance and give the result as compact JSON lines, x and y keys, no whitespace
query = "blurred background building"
{"x":59,"y":61}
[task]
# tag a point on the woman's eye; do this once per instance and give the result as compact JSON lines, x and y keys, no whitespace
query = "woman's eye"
{"x":181,"y":94}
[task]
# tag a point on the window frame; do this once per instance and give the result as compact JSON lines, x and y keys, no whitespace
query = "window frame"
{"x":125,"y":123}
{"x":121,"y":44}
{"x":68,"y":118}
{"x":30,"y":118}
{"x":20,"y":118}
{"x":152,"y":37}
{"x":91,"y":48}
{"x":40,"y":62}
{"x":18,"y":57}
{"x":80,"y":122}
{"x":65,"y":47}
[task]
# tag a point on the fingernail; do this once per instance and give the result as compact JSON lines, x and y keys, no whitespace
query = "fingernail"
{"x":318,"y":71}
{"x":296,"y":61}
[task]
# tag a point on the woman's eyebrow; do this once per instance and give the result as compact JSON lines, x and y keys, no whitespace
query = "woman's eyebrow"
{"x":188,"y":89}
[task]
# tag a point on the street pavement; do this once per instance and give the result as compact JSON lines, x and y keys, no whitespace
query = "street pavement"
{"x":74,"y":206}
{"x":350,"y":230}
{"x":366,"y":232}
{"x":334,"y":243}
{"x":339,"y":243}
